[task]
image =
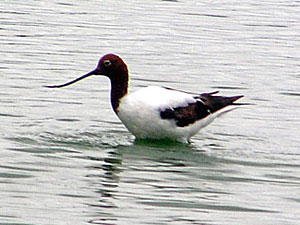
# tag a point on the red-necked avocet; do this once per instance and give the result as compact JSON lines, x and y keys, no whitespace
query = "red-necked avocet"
{"x":156,"y":112}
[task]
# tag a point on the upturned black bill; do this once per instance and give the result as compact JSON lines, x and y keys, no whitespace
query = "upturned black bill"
{"x":94,"y":72}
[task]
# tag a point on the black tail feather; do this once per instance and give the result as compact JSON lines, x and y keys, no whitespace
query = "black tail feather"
{"x":215,"y":103}
{"x":207,"y":103}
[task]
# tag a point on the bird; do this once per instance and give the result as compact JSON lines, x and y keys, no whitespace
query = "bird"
{"x":157,"y":112}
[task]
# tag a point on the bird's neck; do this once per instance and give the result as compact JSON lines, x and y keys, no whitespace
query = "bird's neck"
{"x":119,"y":88}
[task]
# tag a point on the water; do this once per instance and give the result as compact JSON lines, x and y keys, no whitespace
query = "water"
{"x":66,"y":159}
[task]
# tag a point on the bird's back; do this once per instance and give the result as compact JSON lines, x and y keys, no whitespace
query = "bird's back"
{"x":158,"y":112}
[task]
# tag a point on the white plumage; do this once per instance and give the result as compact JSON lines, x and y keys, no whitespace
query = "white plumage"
{"x":140,"y":113}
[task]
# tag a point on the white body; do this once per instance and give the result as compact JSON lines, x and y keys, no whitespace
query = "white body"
{"x":140,"y":113}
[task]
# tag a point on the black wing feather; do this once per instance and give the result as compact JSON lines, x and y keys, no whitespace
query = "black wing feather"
{"x":205,"y":105}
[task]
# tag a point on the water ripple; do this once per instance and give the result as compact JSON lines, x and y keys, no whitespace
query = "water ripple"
{"x":191,"y":205}
{"x":66,"y":159}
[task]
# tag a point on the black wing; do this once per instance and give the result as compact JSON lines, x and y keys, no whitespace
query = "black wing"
{"x":205,"y":105}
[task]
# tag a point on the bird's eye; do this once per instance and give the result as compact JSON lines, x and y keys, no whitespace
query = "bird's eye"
{"x":106,"y":63}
